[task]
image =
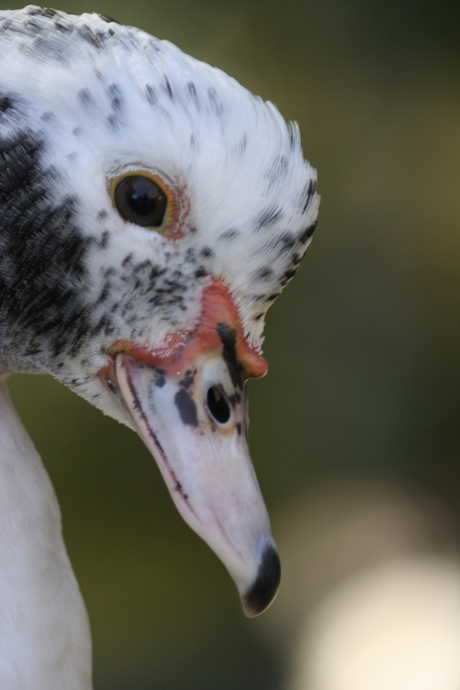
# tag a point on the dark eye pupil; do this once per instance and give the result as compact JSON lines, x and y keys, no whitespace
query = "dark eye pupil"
{"x":140,"y":200}
{"x":218,"y":405}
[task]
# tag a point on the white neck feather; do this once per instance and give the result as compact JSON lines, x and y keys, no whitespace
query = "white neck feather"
{"x":45,"y":641}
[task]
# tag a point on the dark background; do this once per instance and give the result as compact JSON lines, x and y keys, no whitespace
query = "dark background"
{"x":363,"y":345}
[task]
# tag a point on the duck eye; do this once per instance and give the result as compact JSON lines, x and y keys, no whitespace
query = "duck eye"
{"x":218,"y":405}
{"x":140,"y":200}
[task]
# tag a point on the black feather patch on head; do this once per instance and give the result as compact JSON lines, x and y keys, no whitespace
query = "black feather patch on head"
{"x":42,"y":268}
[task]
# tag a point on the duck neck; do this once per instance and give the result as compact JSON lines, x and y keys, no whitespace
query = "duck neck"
{"x":45,"y":640}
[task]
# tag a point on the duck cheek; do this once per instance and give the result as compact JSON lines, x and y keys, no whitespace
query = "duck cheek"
{"x":209,"y":474}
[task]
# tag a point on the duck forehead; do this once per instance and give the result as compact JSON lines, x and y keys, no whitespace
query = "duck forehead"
{"x":108,"y":76}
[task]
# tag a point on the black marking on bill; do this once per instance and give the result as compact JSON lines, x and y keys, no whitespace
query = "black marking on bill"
{"x":263,"y":590}
{"x":227,"y":334}
{"x":186,"y":406}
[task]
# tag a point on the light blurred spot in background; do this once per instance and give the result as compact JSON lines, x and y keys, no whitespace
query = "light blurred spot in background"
{"x":371,"y":593}
{"x":393,"y":627}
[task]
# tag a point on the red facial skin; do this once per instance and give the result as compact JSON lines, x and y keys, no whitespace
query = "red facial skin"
{"x":182,"y":349}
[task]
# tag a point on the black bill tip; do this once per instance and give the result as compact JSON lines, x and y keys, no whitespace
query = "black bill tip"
{"x":263,"y":591}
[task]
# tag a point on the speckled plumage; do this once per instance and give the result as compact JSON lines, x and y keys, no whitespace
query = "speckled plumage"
{"x":101,"y":96}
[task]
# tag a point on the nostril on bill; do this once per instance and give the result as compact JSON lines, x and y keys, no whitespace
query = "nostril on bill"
{"x":218,"y":405}
{"x":263,"y":591}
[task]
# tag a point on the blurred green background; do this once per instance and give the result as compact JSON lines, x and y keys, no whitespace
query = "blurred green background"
{"x":363,"y":346}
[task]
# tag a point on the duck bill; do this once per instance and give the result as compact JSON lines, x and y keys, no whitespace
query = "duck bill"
{"x":190,"y":409}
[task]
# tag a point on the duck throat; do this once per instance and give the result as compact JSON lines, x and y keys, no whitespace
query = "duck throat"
{"x":45,"y":641}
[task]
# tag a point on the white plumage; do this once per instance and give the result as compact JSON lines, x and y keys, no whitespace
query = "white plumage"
{"x":150,"y":304}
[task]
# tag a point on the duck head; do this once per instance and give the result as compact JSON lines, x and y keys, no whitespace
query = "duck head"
{"x":151,"y":211}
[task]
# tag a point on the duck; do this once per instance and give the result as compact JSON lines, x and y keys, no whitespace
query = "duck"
{"x":152,"y":209}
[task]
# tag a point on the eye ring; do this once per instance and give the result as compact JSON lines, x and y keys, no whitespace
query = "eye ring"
{"x":144,"y":198}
